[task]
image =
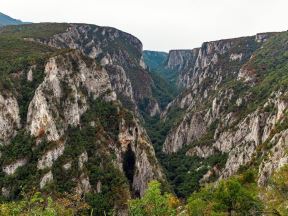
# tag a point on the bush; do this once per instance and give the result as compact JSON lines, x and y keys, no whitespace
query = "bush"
{"x":38,"y":204}
{"x":229,"y":197}
{"x":154,"y":203}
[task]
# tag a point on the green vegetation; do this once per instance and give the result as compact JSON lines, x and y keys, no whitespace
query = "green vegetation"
{"x":235,"y":196}
{"x":99,"y":127}
{"x":238,"y":195}
{"x":276,"y":195}
{"x":154,"y":59}
{"x":37,"y":204}
{"x":269,"y":67}
{"x":20,"y":147}
{"x":36,"y":31}
{"x":99,"y":167}
{"x":158,"y":129}
{"x":230,"y":197}
{"x":162,"y":90}
{"x":156,"y":62}
{"x":154,"y":203}
{"x":17,"y":56}
{"x":184,"y":172}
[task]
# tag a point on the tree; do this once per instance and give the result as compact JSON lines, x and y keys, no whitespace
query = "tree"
{"x":154,"y":203}
{"x":38,"y":204}
{"x":229,"y":197}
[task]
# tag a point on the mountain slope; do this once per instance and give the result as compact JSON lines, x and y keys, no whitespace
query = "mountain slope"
{"x":63,"y":128}
{"x":234,"y":105}
{"x":6,"y":20}
{"x":76,"y":101}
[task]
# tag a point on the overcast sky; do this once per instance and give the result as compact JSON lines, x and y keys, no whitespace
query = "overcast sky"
{"x":161,"y":24}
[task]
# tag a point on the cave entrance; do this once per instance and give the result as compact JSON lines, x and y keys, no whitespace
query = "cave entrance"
{"x":129,"y":165}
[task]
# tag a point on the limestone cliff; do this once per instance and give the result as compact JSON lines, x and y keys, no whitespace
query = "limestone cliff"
{"x":74,"y":134}
{"x":228,"y":107}
{"x":116,"y":50}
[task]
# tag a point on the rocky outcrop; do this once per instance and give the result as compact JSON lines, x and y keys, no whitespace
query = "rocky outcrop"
{"x":181,"y":59}
{"x":201,"y":151}
{"x":10,"y":169}
{"x":214,"y":109}
{"x":205,"y":58}
{"x":70,"y":86}
{"x":121,"y":84}
{"x":146,"y":168}
{"x":190,"y":129}
{"x":104,"y":44}
{"x":61,"y":94}
{"x":241,"y":141}
{"x":47,"y":178}
{"x":9,"y":117}
{"x":51,"y":156}
{"x":275,"y":158}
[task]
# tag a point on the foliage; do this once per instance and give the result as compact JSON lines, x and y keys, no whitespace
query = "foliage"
{"x":20,"y":147}
{"x":163,"y":90}
{"x":184,"y":172}
{"x":276,"y":194}
{"x":228,"y":197}
{"x":94,"y":139}
{"x":154,"y":60}
{"x":39,"y":205}
{"x":158,"y":69}
{"x":154,"y":203}
{"x":35,"y":30}
{"x":158,"y":129}
{"x":269,"y":67}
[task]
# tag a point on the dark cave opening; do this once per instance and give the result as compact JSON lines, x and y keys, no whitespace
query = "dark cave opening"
{"x":129,"y":164}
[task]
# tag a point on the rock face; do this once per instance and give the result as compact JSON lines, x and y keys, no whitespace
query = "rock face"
{"x":276,"y":159}
{"x":60,"y":95}
{"x":181,"y":61}
{"x":9,"y":117}
{"x":11,"y":168}
{"x":63,"y":88}
{"x":78,"y":126}
{"x":216,"y":113}
{"x":190,"y":129}
{"x":102,"y":43}
{"x":204,"y":77}
{"x":81,"y":92}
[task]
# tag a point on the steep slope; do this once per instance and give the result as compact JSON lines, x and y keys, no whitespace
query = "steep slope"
{"x":120,"y":53}
{"x":157,"y":64}
{"x":62,"y":126}
{"x":7,"y":20}
{"x":154,"y":59}
{"x":233,"y":106}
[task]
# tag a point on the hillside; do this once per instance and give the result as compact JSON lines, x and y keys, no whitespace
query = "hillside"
{"x":63,"y":127}
{"x":6,"y":20}
{"x":90,"y":124}
{"x":231,"y":115}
